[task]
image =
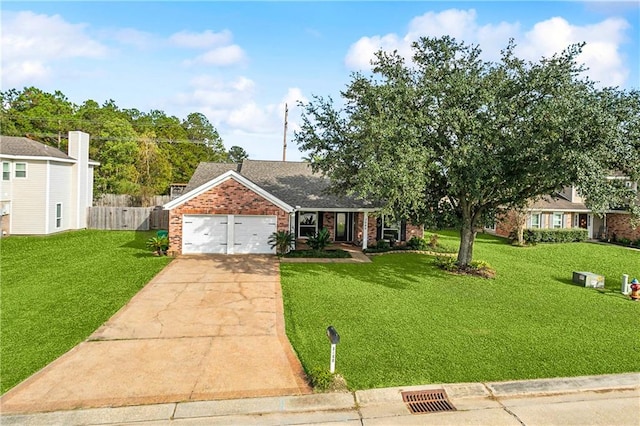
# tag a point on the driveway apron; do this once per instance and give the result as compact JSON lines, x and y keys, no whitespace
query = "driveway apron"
{"x":206,"y":327}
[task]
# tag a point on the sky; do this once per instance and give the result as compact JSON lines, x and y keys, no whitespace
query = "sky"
{"x":239,"y":63}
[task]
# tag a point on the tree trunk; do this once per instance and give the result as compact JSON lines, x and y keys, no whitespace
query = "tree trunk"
{"x":467,"y":237}
{"x":520,"y":235}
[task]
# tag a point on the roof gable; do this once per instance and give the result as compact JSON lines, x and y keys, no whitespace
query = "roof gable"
{"x":230,"y":174}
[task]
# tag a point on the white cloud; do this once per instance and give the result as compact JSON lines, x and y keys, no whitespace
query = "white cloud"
{"x":601,"y":54}
{"x":217,"y":94}
{"x":136,"y":38}
{"x":220,"y":51}
{"x":201,"y":40}
{"x":220,"y":56}
{"x":32,"y":42}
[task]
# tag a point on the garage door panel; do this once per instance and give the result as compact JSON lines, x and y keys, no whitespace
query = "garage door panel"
{"x":251,"y":234}
{"x":204,"y":234}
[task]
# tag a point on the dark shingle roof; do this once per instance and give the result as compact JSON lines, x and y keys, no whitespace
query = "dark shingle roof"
{"x":207,"y":171}
{"x":290,"y":181}
{"x":20,"y":146}
{"x":557,"y":203}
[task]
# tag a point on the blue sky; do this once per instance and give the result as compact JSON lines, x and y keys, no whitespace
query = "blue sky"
{"x":240,"y":62}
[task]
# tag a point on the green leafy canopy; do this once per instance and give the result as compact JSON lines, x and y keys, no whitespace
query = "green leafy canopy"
{"x":449,"y":131}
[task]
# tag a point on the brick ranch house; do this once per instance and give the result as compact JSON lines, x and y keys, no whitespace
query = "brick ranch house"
{"x":234,"y":209}
{"x":568,"y":210}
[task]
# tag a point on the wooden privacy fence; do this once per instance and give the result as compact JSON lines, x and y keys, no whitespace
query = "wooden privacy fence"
{"x":124,"y":200}
{"x":128,"y":218}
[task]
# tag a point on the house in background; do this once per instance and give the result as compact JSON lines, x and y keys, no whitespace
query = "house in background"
{"x":568,"y":210}
{"x":43,"y":190}
{"x":234,"y":208}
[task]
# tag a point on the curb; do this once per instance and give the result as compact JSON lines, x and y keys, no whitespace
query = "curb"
{"x":329,"y":407}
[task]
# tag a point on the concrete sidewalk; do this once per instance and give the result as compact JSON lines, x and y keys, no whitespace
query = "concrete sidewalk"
{"x":593,"y":400}
{"x":206,"y":327}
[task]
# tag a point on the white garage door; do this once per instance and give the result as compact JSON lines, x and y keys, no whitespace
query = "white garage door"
{"x":227,"y":234}
{"x":251,"y":234}
{"x":204,"y":234}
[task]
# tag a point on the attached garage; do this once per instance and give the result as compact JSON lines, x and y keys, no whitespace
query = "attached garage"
{"x":227,"y":234}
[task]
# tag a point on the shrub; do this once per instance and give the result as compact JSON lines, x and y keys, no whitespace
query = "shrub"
{"x":533,"y":236}
{"x":325,"y":254}
{"x":624,"y":241}
{"x":320,"y":240}
{"x":433,"y":241}
{"x":417,"y":243}
{"x":637,"y":242}
{"x":447,"y":263}
{"x":383,"y":245}
{"x":158,"y":244}
{"x":282,"y":241}
{"x":478,"y":267}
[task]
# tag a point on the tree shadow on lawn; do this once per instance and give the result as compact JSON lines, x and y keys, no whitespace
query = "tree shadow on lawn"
{"x":396,"y":271}
{"x":139,"y":240}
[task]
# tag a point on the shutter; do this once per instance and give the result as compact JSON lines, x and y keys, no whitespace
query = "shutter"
{"x":320,"y":217}
{"x":403,"y":230}
{"x":378,"y":228}
{"x":295,"y":230}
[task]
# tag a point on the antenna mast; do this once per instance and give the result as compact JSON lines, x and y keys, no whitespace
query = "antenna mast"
{"x":284,"y":145}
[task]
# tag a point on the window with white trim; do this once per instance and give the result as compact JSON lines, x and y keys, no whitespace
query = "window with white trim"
{"x":557,"y":220}
{"x":6,"y":171}
{"x":535,"y":221}
{"x":58,"y":215}
{"x":21,"y":170}
{"x":307,"y":224}
{"x":390,"y":229}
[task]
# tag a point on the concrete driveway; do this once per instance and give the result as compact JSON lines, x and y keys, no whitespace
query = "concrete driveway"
{"x":206,"y":327}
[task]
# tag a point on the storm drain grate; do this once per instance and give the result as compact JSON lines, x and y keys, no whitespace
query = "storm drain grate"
{"x":427,"y":401}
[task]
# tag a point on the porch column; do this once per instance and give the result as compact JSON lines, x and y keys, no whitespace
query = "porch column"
{"x":365,"y":230}
{"x":292,"y":228}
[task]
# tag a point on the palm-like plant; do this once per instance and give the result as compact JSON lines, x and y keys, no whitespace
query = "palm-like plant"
{"x":320,"y":240}
{"x":282,"y":241}
{"x":160,"y":245}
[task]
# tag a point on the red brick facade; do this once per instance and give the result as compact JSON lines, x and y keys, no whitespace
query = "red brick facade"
{"x":620,"y":225}
{"x":229,"y":197}
{"x":232,"y":197}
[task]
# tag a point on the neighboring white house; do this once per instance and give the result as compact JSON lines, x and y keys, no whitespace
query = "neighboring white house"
{"x":43,"y":190}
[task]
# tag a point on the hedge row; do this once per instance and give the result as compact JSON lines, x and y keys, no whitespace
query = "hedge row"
{"x":533,"y":236}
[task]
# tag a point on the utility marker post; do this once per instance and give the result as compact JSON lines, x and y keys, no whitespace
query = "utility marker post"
{"x":334,"y":338}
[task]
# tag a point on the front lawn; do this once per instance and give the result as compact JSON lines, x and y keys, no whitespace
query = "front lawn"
{"x":57,"y":290}
{"x":402,"y":321}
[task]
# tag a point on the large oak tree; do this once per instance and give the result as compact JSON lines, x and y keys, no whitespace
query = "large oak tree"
{"x":449,"y":130}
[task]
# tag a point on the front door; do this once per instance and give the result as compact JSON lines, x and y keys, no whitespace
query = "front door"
{"x":583,"y":220}
{"x":344,"y":227}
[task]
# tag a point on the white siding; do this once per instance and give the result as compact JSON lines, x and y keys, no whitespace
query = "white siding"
{"x":60,"y":178}
{"x":6,"y":185}
{"x":28,"y":204}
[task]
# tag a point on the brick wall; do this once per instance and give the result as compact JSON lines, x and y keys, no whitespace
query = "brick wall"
{"x":620,"y":224}
{"x":229,"y":197}
{"x":414,"y":231}
{"x":328,"y":221}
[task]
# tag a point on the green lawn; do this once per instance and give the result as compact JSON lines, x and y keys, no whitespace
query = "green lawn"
{"x":404,"y":322}
{"x":57,"y":290}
